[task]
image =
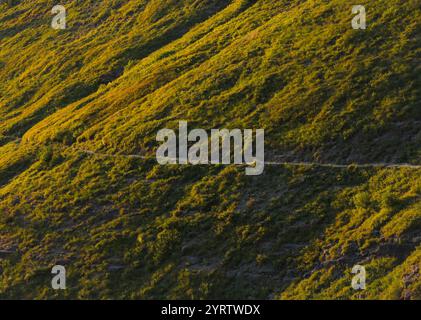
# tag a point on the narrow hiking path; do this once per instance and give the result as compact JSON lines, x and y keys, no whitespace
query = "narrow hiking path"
{"x":275,"y":163}
{"x":267,"y":163}
{"x":334,"y":165}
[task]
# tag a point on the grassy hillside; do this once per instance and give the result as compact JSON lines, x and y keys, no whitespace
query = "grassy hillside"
{"x":130,"y":228}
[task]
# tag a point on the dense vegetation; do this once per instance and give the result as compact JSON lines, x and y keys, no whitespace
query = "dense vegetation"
{"x":129,"y":228}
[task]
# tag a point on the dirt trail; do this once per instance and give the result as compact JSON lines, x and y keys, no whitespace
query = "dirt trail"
{"x":267,"y":163}
{"x":278,"y":163}
{"x":358,"y":165}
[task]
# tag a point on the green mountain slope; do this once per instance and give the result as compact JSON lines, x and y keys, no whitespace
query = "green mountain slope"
{"x":74,"y":103}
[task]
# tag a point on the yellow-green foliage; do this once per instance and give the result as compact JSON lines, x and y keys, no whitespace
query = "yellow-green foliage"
{"x":129,"y":228}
